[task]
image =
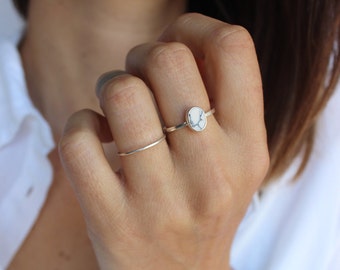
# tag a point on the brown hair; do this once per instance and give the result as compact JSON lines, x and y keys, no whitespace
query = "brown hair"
{"x":295,"y":40}
{"x":22,"y":6}
{"x":297,"y":43}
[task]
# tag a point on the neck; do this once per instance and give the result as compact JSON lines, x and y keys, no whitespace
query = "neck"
{"x":69,"y":44}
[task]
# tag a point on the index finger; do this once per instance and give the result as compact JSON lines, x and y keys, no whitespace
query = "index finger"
{"x":228,"y":64}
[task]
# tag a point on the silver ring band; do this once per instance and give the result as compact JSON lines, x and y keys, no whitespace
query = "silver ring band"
{"x":123,"y":154}
{"x":198,"y":125}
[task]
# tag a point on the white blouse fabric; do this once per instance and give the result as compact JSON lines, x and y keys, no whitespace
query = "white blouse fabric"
{"x":294,"y":225}
{"x":25,"y":141}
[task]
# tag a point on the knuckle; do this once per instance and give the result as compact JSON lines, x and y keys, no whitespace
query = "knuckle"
{"x":261,"y":165}
{"x":220,"y":192}
{"x":72,"y":143}
{"x":180,"y":222}
{"x":231,"y":37}
{"x":256,"y":166}
{"x":64,"y":149}
{"x":187,"y":18}
{"x":218,"y":205}
{"x":76,"y":136}
{"x":170,"y":56}
{"x":122,"y":90}
{"x":216,"y":195}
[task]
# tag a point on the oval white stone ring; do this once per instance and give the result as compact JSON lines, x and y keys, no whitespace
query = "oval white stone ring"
{"x":195,"y":119}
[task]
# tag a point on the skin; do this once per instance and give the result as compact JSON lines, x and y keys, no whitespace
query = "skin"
{"x":176,"y":205}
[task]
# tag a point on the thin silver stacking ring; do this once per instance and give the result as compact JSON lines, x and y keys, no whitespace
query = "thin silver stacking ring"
{"x":123,"y":154}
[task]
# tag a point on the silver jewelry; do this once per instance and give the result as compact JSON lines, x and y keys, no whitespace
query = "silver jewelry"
{"x":195,"y":119}
{"x":123,"y":154}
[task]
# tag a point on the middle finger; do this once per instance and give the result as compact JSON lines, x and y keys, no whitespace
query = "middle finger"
{"x":172,"y":73}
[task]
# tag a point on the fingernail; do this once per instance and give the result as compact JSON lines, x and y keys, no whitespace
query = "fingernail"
{"x":103,"y":79}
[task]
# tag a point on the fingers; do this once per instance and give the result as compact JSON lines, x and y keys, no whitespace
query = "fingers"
{"x":202,"y":181}
{"x":228,"y":64}
{"x":227,"y":61}
{"x":171,"y":72}
{"x":97,"y":187}
{"x":133,"y":119}
{"x":173,"y":76}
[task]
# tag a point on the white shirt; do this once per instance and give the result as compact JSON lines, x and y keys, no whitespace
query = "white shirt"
{"x":295,"y":225}
{"x":25,"y":141}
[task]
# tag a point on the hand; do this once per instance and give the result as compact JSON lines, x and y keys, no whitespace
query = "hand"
{"x":178,"y":204}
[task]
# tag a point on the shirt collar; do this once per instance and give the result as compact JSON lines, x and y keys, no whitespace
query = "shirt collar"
{"x":15,"y":104}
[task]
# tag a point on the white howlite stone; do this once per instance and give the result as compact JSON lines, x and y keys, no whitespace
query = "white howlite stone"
{"x":196,"y":119}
